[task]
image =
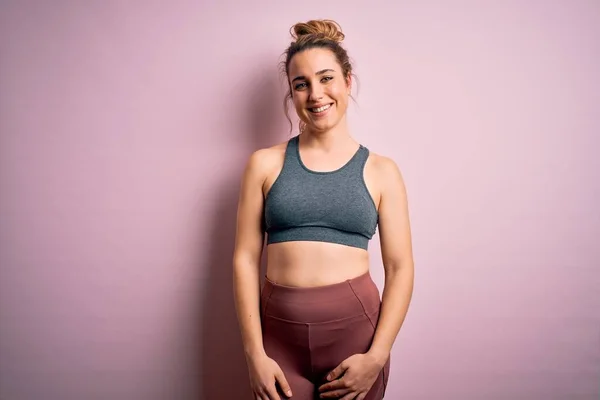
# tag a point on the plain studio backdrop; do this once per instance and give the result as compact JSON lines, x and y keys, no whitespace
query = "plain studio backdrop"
{"x":125,"y":127}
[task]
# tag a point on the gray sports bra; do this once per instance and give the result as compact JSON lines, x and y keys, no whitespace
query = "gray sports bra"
{"x":306,"y":205}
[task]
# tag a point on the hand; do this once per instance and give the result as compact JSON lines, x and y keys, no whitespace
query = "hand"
{"x":353,"y":378}
{"x":264,"y":374}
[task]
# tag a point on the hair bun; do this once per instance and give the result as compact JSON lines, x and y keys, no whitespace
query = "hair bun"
{"x":324,"y":28}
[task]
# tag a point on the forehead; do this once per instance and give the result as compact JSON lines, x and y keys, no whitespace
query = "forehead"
{"x":309,"y":62}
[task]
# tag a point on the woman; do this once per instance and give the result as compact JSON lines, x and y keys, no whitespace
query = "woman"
{"x":318,"y":328}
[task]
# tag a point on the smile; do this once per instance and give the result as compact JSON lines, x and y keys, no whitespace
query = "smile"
{"x":320,"y":109}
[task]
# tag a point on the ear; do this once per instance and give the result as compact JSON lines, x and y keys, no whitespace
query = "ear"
{"x":349,"y":83}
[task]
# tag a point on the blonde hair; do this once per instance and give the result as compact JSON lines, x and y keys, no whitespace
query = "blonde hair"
{"x":323,"y":28}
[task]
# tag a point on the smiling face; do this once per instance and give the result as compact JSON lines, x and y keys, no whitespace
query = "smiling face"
{"x":320,"y":91}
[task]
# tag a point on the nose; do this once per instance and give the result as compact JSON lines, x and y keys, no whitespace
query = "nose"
{"x":316,"y":93}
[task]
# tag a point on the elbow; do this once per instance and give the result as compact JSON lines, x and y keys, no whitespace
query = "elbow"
{"x":399,"y":266}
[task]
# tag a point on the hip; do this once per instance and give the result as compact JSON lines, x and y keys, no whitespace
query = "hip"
{"x":352,"y":298}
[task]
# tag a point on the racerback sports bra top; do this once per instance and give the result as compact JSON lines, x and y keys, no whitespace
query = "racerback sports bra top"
{"x":333,"y":206}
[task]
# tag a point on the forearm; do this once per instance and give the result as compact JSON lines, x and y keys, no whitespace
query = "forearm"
{"x":397,"y":294}
{"x":246,"y":287}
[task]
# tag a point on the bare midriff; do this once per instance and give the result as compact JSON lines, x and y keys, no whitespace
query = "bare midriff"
{"x":311,"y":264}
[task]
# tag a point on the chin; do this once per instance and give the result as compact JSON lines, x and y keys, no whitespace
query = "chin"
{"x":322,"y":126}
{"x":325,"y":125}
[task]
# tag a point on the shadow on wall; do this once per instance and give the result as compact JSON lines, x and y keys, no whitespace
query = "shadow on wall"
{"x":223,"y":370}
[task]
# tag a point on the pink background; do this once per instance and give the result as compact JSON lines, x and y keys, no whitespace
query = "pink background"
{"x":124,"y":130}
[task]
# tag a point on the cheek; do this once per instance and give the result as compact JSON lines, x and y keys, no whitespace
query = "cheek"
{"x":298,"y":102}
{"x":340,"y":93}
{"x":341,"y":96}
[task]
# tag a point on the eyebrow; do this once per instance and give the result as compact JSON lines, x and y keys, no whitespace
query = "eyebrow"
{"x":321,"y":72}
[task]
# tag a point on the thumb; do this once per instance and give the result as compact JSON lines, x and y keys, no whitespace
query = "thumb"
{"x":283,"y":383}
{"x":337,"y":371}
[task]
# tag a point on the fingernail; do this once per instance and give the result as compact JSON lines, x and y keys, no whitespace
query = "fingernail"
{"x":289,"y":393}
{"x":328,"y":377}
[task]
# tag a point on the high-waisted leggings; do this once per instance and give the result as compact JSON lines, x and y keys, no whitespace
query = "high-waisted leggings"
{"x":310,"y":331}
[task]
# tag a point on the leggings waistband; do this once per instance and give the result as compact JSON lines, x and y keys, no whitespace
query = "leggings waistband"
{"x":347,"y":288}
{"x":347,"y":299}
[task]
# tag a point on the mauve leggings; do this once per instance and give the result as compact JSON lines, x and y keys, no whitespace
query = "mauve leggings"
{"x":309,"y":331}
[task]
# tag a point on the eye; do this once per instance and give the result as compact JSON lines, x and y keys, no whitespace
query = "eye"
{"x":300,"y":86}
{"x":326,"y":78}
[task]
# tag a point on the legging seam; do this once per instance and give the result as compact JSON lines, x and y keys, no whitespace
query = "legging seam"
{"x":362,"y":305}
{"x":310,"y":360}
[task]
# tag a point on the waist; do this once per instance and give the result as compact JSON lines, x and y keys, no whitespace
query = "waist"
{"x":308,"y":264}
{"x":347,"y":299}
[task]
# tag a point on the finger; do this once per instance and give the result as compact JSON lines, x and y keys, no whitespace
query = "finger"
{"x":264,"y":395}
{"x":362,"y":396}
{"x":337,"y":384}
{"x":349,"y":396}
{"x":283,"y":383}
{"x":337,"y":371}
{"x":272,"y":393}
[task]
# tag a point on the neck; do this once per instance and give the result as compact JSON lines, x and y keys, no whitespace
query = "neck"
{"x":336,"y":137}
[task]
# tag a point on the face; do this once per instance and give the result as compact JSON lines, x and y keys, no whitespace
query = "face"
{"x":319,"y":89}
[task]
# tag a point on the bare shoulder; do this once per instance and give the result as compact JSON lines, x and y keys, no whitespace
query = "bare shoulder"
{"x":263,"y":161}
{"x":386,"y":170}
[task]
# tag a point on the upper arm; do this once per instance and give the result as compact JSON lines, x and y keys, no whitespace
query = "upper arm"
{"x":249,"y":237}
{"x":394,"y":224}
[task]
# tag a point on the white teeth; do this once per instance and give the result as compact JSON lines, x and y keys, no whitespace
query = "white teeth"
{"x":320,"y":109}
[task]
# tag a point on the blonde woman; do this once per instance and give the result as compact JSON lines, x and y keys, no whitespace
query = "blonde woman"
{"x":318,"y":327}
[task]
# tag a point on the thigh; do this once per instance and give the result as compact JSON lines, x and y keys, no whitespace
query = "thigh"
{"x":335,"y":341}
{"x":302,"y":388}
{"x":286,"y":343}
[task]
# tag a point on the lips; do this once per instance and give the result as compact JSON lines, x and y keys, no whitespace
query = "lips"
{"x":320,"y":109}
